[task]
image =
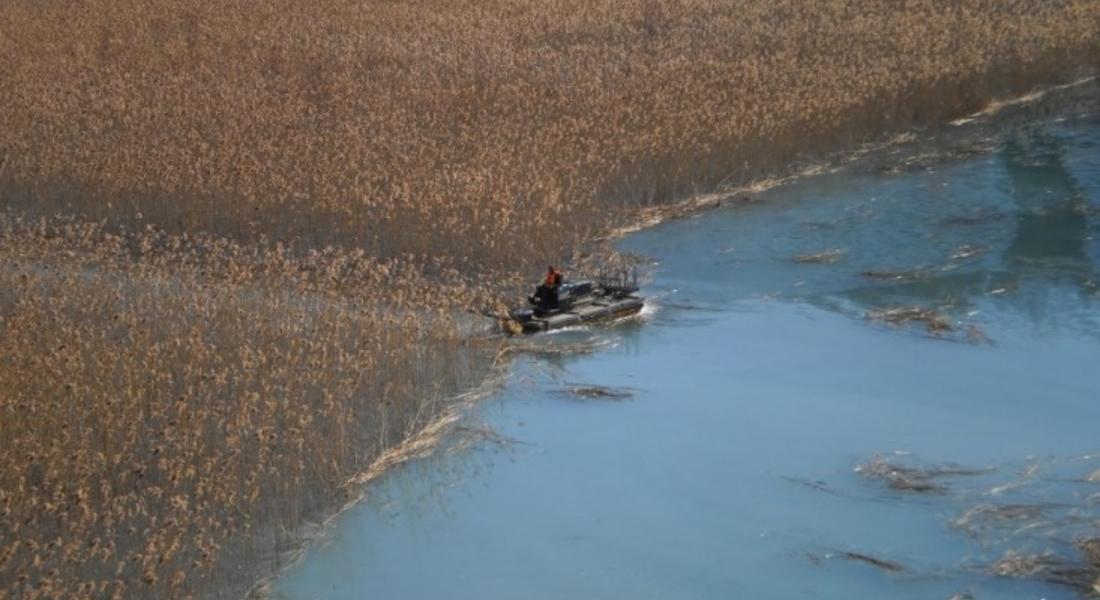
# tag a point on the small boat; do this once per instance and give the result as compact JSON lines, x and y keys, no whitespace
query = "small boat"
{"x":573,"y":303}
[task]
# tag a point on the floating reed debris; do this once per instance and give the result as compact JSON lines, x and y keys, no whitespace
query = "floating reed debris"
{"x":979,"y":520}
{"x":934,"y":322}
{"x":1015,"y":564}
{"x":898,"y":478}
{"x":879,"y":563}
{"x":1046,"y":534}
{"x":597,"y":392}
{"x":882,"y":564}
{"x":1048,"y":568}
{"x":1090,"y":550}
{"x":825,"y":256}
{"x":914,"y":479}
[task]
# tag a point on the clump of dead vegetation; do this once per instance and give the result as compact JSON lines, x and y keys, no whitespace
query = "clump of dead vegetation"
{"x":979,"y":519}
{"x":933,"y":321}
{"x":1041,"y":523}
{"x":1082,"y":572}
{"x":597,"y":392}
{"x":877,"y":562}
{"x":825,"y":256}
{"x":882,"y":564}
{"x":906,"y":478}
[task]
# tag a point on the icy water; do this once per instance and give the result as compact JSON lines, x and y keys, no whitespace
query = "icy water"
{"x":726,"y":464}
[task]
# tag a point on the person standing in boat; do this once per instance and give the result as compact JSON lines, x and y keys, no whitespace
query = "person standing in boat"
{"x":548,"y":291}
{"x":553,"y":277}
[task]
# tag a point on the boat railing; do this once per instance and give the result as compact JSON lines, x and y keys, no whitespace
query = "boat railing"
{"x":618,"y":282}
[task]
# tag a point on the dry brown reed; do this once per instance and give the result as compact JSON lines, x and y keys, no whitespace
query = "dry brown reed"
{"x":934,"y":322}
{"x":487,"y":133}
{"x":282,"y":207}
{"x":156,"y":419}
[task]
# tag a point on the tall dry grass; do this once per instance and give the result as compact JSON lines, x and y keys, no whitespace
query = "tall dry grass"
{"x":154,"y":419}
{"x":278,"y":209}
{"x":488,"y":132}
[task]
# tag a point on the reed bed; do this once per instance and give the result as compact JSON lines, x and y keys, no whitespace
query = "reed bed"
{"x":493,"y":133}
{"x":237,"y":238}
{"x":156,"y":420}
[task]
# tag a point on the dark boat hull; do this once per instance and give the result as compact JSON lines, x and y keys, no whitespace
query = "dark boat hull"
{"x":590,"y":312}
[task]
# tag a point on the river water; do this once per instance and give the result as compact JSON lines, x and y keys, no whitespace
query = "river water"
{"x":728,"y":455}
